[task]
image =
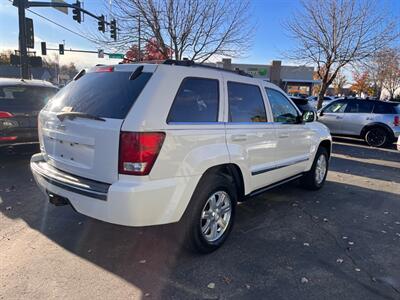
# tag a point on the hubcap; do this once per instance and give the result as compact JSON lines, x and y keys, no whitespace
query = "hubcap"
{"x":215,"y":216}
{"x":320,"y":169}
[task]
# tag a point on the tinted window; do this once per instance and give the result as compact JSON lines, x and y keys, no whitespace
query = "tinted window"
{"x":336,"y":107}
{"x":31,"y":97}
{"x":359,"y":106}
{"x":102,"y":94}
{"x":197,"y":100}
{"x":386,"y":108}
{"x":246,"y":103}
{"x":282,"y":109}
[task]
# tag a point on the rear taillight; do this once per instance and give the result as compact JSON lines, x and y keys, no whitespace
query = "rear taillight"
{"x":138,"y":151}
{"x":396,"y":121}
{"x":5,"y":115}
{"x":7,"y":138}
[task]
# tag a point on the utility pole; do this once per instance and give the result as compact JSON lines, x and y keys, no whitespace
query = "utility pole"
{"x":22,"y":40}
{"x":139,"y":48}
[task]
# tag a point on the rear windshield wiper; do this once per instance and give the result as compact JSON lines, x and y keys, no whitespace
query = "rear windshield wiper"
{"x":72,"y":115}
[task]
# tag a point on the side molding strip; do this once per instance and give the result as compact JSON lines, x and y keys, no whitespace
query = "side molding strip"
{"x":279,"y":166}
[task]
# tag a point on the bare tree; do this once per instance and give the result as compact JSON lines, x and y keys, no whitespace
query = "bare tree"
{"x":389,"y":71}
{"x":339,"y":82}
{"x":196,"y":29}
{"x":335,"y":33}
{"x":384,"y":71}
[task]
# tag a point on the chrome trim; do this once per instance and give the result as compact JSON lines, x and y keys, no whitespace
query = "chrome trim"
{"x":69,"y":182}
{"x":221,"y":123}
{"x":196,"y":123}
{"x":249,"y":123}
{"x":279,"y":166}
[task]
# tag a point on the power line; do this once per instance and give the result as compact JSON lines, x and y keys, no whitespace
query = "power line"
{"x":55,"y":23}
{"x":62,"y":26}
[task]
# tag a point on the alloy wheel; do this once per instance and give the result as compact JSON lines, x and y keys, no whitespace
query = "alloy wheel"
{"x":216,"y":216}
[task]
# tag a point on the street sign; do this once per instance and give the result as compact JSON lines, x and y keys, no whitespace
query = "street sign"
{"x":62,"y":9}
{"x":116,"y":55}
{"x":100,"y":53}
{"x":35,"y":61}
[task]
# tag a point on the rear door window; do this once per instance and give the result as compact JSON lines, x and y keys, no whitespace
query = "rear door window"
{"x":197,"y":100}
{"x":246,"y":103}
{"x":32,"y":98}
{"x":102,"y":94}
{"x":359,"y":106}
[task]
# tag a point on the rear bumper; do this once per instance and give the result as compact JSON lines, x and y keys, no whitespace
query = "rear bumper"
{"x":125,"y":202}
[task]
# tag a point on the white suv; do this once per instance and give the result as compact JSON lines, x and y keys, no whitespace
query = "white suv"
{"x":149,"y":144}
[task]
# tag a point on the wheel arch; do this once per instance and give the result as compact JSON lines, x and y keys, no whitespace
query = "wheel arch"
{"x":327,"y":144}
{"x":232,"y":171}
{"x":365,"y":129}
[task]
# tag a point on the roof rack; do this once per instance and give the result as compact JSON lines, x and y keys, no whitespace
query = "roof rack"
{"x":191,"y":63}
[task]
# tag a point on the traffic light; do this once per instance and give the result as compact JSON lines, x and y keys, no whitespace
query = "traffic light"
{"x":101,"y":24}
{"x":61,"y":49}
{"x":113,"y":29}
{"x":44,"y":48}
{"x":30,"y":36}
{"x":76,"y":11}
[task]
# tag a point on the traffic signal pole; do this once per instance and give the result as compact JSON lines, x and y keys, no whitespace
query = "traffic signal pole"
{"x":22,"y":40}
{"x":24,"y":4}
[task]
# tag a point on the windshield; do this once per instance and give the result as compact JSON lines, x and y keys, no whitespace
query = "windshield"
{"x":101,"y":94}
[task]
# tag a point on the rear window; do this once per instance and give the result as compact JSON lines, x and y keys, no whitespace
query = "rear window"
{"x":359,"y":106}
{"x":387,"y":108}
{"x":101,"y":94}
{"x":31,"y":97}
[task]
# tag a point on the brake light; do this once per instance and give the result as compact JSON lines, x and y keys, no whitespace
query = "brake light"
{"x":396,"y":121}
{"x":5,"y":114}
{"x":138,"y":151}
{"x":7,"y":138}
{"x":104,"y":69}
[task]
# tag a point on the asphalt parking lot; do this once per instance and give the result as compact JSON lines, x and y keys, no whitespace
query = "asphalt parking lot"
{"x":340,"y":242}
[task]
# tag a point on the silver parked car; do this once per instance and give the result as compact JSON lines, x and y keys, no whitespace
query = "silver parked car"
{"x":377,"y":122}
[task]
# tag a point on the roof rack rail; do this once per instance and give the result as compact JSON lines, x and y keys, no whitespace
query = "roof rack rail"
{"x":191,"y":63}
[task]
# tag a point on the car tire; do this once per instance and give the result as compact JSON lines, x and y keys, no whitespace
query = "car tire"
{"x":377,"y":137}
{"x":315,"y":178}
{"x":213,"y":203}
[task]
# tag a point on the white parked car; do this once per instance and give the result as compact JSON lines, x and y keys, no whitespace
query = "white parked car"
{"x":141,"y":145}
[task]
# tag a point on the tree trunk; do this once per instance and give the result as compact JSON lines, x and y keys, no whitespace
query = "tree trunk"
{"x":321,"y":94}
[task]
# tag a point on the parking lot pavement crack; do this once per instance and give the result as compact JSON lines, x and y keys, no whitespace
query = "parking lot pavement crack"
{"x":345,"y":249}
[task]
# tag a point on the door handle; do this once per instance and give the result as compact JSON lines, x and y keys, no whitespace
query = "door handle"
{"x":283,"y":135}
{"x":239,"y":137}
{"x":339,"y":118}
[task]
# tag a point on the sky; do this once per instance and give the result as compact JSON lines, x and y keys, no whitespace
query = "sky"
{"x":268,"y":16}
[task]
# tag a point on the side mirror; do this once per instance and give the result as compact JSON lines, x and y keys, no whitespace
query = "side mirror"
{"x":309,"y":116}
{"x":321,"y":113}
